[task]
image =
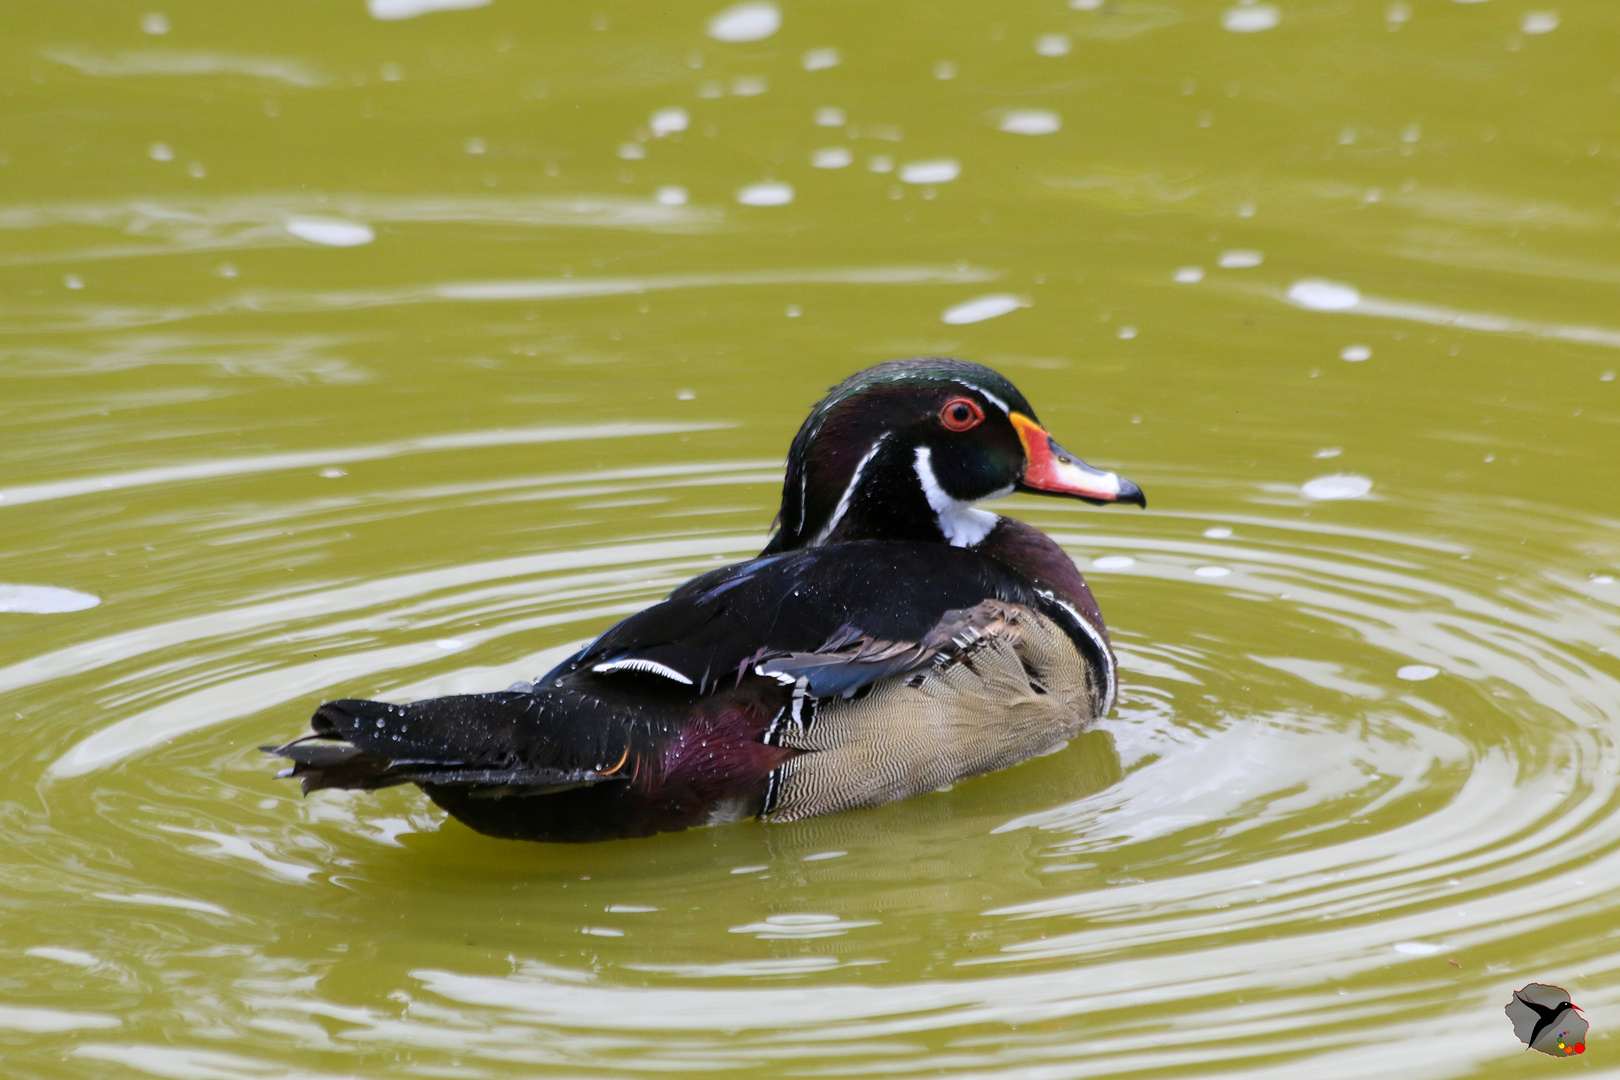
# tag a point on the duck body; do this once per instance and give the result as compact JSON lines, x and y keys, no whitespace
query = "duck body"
{"x":891,"y":639}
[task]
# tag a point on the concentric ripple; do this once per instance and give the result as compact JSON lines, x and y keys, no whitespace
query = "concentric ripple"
{"x":1354,"y":753}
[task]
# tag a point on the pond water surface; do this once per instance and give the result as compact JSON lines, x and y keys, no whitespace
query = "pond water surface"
{"x":395,"y":351}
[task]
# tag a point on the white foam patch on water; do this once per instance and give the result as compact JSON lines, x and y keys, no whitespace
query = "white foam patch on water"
{"x":746,"y":22}
{"x":670,"y":195}
{"x":1250,"y":19}
{"x":766,"y":194}
{"x":1539,"y":22}
{"x":832,"y":157}
{"x":389,"y":10}
{"x":1319,"y":294}
{"x":1239,"y":259}
{"x":330,"y":232}
{"x":1355,"y":353}
{"x":1417,"y":672}
{"x":44,"y":599}
{"x":1190,"y":275}
{"x":981,"y":308}
{"x":938,"y":171}
{"x":821,"y":59}
{"x":1053,"y":45}
{"x":1113,"y":562}
{"x":1336,"y":486}
{"x":1030,"y":121}
{"x":668,"y":121}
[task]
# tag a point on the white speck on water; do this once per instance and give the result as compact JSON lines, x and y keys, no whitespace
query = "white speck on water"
{"x":1416,"y":948}
{"x":1318,"y":294}
{"x":770,"y":193}
{"x":409,"y":9}
{"x":1328,"y":452}
{"x":1607,"y":376}
{"x":944,"y":70}
{"x":830,"y":116}
{"x":1113,"y":562}
{"x":331,"y":233}
{"x":448,"y":644}
{"x":44,"y":600}
{"x":1239,"y":260}
{"x":1190,"y":275}
{"x":820,"y":855}
{"x":632,"y":151}
{"x":669,"y":121}
{"x":748,"y":869}
{"x":333,"y":474}
{"x":793,"y":311}
{"x":73,"y":281}
{"x":981,"y":308}
{"x":832,"y":157}
{"x":1398,"y":13}
{"x":670,"y":195}
{"x":749,"y":86}
{"x":1126,"y":333}
{"x":1086,"y":5}
{"x":880,"y":163}
{"x":1539,"y":22}
{"x":628,"y":909}
{"x":938,"y":171}
{"x":155,"y":23}
{"x":1355,"y":353}
{"x":1030,"y":121}
{"x":686,"y":395}
{"x":1212,"y":571}
{"x":821,"y":59}
{"x":1417,"y":672}
{"x":1336,"y":486}
{"x":197,"y":170}
{"x":601,"y":931}
{"x":1053,"y":45}
{"x":160,"y":151}
{"x":1250,"y":19}
{"x":746,"y":22}
{"x":1219,"y":532}
{"x":475,"y":146}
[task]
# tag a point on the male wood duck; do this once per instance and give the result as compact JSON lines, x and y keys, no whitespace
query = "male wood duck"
{"x":889,"y":640}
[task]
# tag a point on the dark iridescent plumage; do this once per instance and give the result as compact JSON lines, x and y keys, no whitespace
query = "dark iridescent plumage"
{"x":881,"y":585}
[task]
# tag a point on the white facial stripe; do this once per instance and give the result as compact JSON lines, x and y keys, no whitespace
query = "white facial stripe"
{"x":962,"y":524}
{"x":849,"y":493}
{"x":987,"y":395}
{"x":651,"y":667}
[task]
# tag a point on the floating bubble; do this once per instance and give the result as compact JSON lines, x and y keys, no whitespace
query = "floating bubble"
{"x":821,"y":59}
{"x":1417,"y":672}
{"x":746,"y":22}
{"x":331,"y":233}
{"x":1239,"y":260}
{"x":1251,"y":19}
{"x":1030,"y":121}
{"x":766,"y":194}
{"x":1318,"y":294}
{"x":668,"y":121}
{"x":833,"y":157}
{"x":44,"y":599}
{"x":1113,"y":562}
{"x":1336,"y":486}
{"x":981,"y":308}
{"x":410,"y":9}
{"x":938,"y":171}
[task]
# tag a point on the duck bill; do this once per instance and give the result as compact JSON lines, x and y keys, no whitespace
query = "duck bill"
{"x":1053,"y":470}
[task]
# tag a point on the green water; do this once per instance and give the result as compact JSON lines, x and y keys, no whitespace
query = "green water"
{"x":1361,"y":782}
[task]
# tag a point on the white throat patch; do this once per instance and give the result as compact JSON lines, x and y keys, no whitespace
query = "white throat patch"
{"x":963,"y":524}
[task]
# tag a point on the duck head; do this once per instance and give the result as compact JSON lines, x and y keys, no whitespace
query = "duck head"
{"x":903,"y":451}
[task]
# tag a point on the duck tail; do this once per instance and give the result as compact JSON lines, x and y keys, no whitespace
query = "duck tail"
{"x":487,"y":741}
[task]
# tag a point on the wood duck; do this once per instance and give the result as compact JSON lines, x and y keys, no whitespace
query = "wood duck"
{"x":889,"y":640}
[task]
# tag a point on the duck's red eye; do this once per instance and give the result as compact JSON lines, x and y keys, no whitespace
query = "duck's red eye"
{"x":960,"y":414}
